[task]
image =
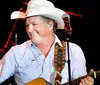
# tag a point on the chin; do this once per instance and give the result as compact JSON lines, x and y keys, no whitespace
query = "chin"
{"x":35,"y":41}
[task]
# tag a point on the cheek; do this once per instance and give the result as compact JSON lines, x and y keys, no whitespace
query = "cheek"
{"x":43,"y":29}
{"x":38,"y":29}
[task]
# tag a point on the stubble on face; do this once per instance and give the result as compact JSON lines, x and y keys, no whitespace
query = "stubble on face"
{"x":40,"y":31}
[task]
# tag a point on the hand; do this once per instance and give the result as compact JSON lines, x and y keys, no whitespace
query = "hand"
{"x":87,"y":80}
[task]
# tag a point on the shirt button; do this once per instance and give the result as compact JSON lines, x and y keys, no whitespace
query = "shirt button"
{"x":33,"y":60}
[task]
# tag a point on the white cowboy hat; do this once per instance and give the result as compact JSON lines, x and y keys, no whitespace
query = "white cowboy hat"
{"x":42,"y":8}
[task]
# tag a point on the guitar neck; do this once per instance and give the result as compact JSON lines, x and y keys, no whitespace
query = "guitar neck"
{"x":77,"y":81}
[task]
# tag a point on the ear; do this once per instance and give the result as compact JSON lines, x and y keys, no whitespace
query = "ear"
{"x":51,"y":23}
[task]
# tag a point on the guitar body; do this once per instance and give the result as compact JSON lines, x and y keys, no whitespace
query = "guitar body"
{"x":38,"y":81}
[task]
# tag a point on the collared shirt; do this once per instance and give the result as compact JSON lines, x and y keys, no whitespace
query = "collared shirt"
{"x":26,"y":62}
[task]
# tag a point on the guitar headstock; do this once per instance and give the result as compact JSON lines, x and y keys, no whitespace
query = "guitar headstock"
{"x":95,"y":74}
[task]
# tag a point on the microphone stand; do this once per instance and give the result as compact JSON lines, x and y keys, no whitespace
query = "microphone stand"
{"x":64,"y":34}
{"x":68,"y":32}
{"x":24,"y":4}
{"x":10,"y":35}
{"x":69,"y":68}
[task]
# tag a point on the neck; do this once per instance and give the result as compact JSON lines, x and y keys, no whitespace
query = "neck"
{"x":46,"y":45}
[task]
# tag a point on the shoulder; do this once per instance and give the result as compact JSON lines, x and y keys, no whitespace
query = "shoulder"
{"x":74,"y":46}
{"x":76,"y":50}
{"x":21,"y":46}
{"x":19,"y":49}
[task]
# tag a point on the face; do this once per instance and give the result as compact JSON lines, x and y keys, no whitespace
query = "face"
{"x":38,"y":29}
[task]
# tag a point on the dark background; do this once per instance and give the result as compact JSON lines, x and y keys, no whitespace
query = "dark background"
{"x":85,"y":32}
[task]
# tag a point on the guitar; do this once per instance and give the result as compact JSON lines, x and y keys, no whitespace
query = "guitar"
{"x":41,"y":81}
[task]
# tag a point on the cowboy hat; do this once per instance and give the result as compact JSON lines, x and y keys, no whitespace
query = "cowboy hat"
{"x":43,"y":8}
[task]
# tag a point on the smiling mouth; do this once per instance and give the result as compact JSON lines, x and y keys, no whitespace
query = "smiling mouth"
{"x":32,"y":34}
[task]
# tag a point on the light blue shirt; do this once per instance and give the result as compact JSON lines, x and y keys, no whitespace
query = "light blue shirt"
{"x":26,"y":62}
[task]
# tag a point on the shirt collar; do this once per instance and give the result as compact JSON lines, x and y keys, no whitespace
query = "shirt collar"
{"x":57,"y":40}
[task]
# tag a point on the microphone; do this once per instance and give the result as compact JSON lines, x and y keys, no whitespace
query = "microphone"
{"x":65,"y":15}
{"x":16,"y":38}
{"x":67,"y":25}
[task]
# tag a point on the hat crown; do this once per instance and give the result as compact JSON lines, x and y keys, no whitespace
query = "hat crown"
{"x":42,"y":8}
{"x":35,"y":4}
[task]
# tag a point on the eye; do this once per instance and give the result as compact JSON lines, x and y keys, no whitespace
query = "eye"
{"x":27,"y":25}
{"x":33,"y":24}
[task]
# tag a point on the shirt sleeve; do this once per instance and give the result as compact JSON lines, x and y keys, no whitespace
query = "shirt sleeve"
{"x":7,"y":66}
{"x":78,"y":62}
{"x":0,"y":67}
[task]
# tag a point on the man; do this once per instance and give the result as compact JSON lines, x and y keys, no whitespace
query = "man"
{"x":34,"y":58}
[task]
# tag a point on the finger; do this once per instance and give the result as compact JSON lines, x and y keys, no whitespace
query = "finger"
{"x":83,"y":82}
{"x":86,"y":81}
{"x":90,"y":79}
{"x":80,"y":83}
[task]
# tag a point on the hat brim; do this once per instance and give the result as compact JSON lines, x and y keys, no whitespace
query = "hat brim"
{"x":53,"y":13}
